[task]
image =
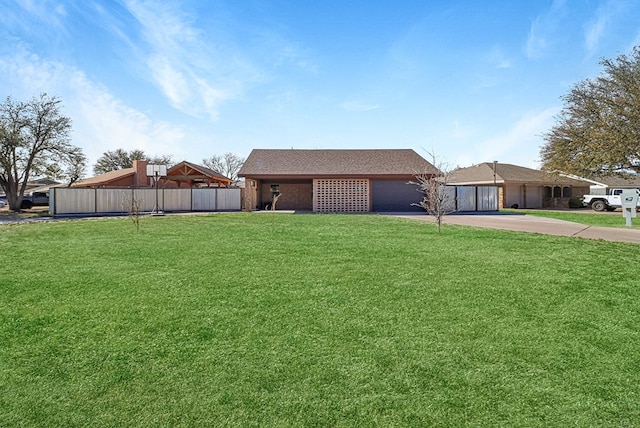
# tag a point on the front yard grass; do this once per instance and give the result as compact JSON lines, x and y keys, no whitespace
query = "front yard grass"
{"x":583,"y":216}
{"x":314,"y":320}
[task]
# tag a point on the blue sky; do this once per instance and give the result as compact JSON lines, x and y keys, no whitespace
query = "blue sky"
{"x":471,"y":81}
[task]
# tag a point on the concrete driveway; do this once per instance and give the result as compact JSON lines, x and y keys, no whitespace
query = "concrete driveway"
{"x":533,"y":224}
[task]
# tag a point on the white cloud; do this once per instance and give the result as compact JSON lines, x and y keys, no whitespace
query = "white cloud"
{"x":535,"y":43}
{"x":521,"y":142}
{"x":358,"y":106}
{"x":52,"y":15}
{"x":594,"y":32}
{"x":172,"y":81}
{"x":602,"y":19}
{"x":459,"y":131}
{"x":543,"y":30}
{"x":192,"y":72}
{"x":100,"y":121}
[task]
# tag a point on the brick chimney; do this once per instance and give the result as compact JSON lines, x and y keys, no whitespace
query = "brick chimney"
{"x":140,"y":178}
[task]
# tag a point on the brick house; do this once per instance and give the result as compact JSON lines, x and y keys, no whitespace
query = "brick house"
{"x":183,"y":174}
{"x":333,"y":180}
{"x":521,"y":187}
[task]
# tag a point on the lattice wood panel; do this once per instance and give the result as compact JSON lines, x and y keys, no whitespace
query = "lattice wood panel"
{"x":341,"y":195}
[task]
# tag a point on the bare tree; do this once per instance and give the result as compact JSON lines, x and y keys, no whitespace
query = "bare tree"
{"x":34,"y":135}
{"x":74,"y":170}
{"x":228,"y":164}
{"x":438,"y":199}
{"x":131,"y":205}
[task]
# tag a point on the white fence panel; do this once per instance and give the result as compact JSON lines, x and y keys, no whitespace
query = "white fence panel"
{"x":229,"y":199}
{"x":487,"y":198}
{"x":466,"y":198}
{"x":110,"y":200}
{"x":72,"y":201}
{"x":113,"y":200}
{"x":177,"y":199}
{"x":450,"y":198}
{"x":146,"y":199}
{"x":203,"y":199}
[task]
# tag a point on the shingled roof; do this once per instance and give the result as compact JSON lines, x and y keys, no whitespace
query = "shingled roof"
{"x":105,"y":179}
{"x":334,"y":163}
{"x":483,"y":174}
{"x":616,"y":181}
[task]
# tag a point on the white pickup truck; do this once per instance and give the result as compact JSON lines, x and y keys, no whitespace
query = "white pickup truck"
{"x":608,"y":202}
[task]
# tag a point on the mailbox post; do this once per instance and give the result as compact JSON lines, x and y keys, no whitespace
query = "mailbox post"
{"x":629,"y":199}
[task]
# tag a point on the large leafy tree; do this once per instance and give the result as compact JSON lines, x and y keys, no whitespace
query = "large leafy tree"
{"x":34,"y":137}
{"x":598,"y":130}
{"x":228,"y":164}
{"x":121,"y":159}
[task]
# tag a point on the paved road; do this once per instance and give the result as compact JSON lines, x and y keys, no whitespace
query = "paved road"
{"x":533,"y":224}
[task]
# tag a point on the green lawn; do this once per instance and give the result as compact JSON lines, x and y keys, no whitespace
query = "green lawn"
{"x":314,"y":320}
{"x":582,"y":216}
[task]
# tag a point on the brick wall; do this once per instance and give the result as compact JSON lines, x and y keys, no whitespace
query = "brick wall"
{"x":140,"y":178}
{"x":296,"y":194}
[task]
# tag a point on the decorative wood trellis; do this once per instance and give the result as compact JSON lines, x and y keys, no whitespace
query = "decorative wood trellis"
{"x":341,"y":195}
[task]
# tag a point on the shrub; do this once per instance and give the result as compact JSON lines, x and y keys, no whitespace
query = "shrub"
{"x":575,"y":203}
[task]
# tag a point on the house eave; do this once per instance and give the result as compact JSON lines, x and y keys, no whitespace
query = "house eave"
{"x":327,"y":176}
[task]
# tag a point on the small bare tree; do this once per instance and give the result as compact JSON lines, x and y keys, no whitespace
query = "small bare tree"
{"x":132,"y":206}
{"x":438,"y":198}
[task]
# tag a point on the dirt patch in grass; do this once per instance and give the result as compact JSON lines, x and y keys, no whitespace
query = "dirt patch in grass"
{"x":6,"y":214}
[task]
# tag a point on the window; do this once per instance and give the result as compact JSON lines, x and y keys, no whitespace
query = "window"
{"x":557,"y":192}
{"x":566,"y":192}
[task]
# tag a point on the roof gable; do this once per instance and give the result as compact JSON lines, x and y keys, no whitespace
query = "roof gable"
{"x":405,"y":162}
{"x":188,"y":171}
{"x":484,"y":174}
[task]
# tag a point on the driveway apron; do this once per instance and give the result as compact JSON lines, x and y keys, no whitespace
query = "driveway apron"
{"x":533,"y":224}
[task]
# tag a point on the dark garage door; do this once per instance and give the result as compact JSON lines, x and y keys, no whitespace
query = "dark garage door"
{"x":394,"y":196}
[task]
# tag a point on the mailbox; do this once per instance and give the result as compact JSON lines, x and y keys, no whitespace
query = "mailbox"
{"x":629,"y":200}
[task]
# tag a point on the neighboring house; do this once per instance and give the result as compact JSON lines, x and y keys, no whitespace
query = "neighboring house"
{"x":38,"y":185}
{"x":136,"y":176}
{"x":187,"y":174}
{"x":521,"y":187}
{"x":601,"y":185}
{"x":184,"y":174}
{"x":41,"y":185}
{"x":334,"y":180}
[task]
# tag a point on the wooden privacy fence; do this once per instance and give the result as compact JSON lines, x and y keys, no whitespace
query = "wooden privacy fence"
{"x":69,"y":200}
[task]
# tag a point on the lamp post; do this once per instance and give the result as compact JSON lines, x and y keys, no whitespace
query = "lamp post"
{"x":495,"y":165}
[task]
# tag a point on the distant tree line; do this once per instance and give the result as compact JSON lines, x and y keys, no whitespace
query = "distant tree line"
{"x":121,"y":159}
{"x":228,"y":164}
